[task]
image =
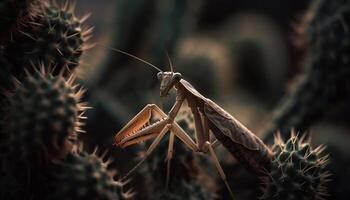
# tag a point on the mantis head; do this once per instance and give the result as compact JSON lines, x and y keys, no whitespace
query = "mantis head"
{"x":168,"y":81}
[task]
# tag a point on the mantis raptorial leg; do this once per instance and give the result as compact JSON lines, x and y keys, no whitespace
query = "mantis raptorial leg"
{"x":178,"y":131}
{"x":150,"y":149}
{"x":173,"y":126}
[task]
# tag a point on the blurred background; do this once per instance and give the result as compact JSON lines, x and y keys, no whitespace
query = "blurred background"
{"x":244,"y":55}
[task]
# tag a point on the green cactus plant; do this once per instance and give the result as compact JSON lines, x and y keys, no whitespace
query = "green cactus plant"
{"x":57,"y":38}
{"x":326,"y":79}
{"x":85,"y":176}
{"x":297,"y":171}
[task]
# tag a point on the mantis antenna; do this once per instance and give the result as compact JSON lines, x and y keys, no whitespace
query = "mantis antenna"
{"x":171,"y":64}
{"x":135,"y":57}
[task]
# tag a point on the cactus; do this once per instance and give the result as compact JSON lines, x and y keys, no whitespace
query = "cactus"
{"x":13,"y":14}
{"x":132,"y":18}
{"x":5,"y":81}
{"x":189,"y":63}
{"x":57,"y":38}
{"x":172,"y":20}
{"x":85,"y":176}
{"x":44,"y":115}
{"x":41,"y":110}
{"x":149,"y":27}
{"x":297,"y":171}
{"x":41,"y":125}
{"x":192,"y":190}
{"x":326,"y":80}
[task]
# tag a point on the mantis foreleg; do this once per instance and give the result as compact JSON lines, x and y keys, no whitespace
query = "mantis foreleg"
{"x":150,"y":149}
{"x":178,"y":131}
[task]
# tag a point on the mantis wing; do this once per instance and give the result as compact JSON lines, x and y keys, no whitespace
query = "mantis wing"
{"x":231,"y":127}
{"x":227,"y":124}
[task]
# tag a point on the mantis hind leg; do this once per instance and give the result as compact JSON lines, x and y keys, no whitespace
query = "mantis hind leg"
{"x":169,"y":157}
{"x":218,"y":167}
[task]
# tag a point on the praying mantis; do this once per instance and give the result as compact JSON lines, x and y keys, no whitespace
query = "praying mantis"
{"x":209,"y":120}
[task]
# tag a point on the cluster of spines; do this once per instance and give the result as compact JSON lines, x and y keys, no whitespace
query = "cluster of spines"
{"x":296,"y":172}
{"x":14,"y":14}
{"x":326,"y":34}
{"x":56,"y":37}
{"x":86,"y":176}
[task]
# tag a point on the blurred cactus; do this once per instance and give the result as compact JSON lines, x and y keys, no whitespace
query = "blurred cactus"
{"x":57,"y":37}
{"x":85,"y":176}
{"x":325,"y":83}
{"x":195,"y":54}
{"x":150,"y":28}
{"x":13,"y":15}
{"x":173,"y":19}
{"x":192,"y":190}
{"x":5,"y":82}
{"x":297,"y":171}
{"x":191,"y":65}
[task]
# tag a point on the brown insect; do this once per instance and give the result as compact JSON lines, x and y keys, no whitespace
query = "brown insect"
{"x":208,"y":118}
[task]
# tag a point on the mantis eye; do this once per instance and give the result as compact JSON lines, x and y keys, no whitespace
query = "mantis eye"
{"x":159,"y":75}
{"x":177,"y":76}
